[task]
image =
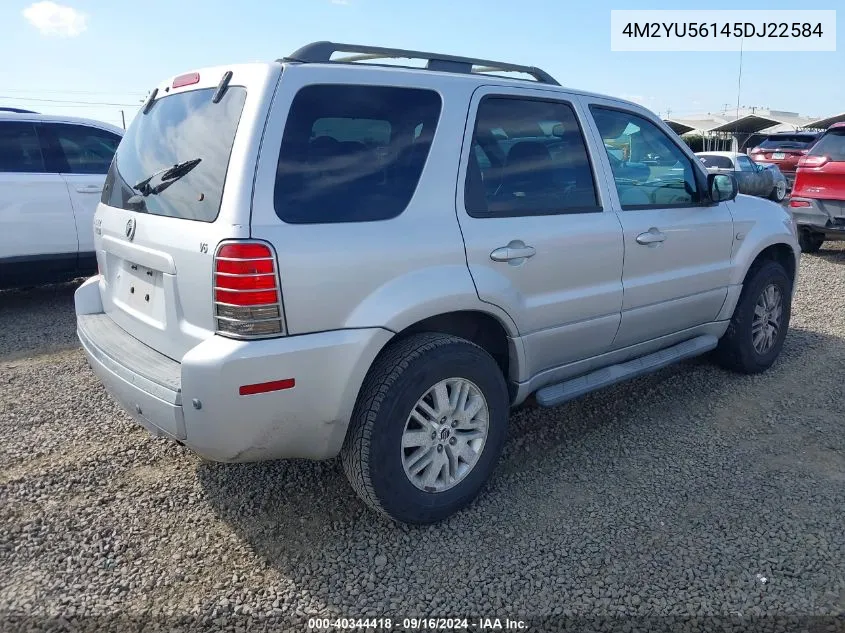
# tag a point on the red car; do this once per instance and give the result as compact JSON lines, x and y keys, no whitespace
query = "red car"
{"x":818,"y":196}
{"x":784,"y":149}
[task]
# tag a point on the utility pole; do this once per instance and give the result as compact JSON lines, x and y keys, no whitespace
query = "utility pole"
{"x":123,"y":119}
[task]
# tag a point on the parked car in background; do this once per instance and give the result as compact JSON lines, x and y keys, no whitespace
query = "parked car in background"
{"x":818,"y":197}
{"x":52,"y":171}
{"x":754,"y":179}
{"x":784,"y":149}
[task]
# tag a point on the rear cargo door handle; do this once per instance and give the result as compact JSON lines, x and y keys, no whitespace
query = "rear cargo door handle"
{"x":514,"y":252}
{"x":89,"y":188}
{"x":651,"y":237}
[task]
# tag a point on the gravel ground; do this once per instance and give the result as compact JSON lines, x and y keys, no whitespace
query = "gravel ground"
{"x":692,"y":492}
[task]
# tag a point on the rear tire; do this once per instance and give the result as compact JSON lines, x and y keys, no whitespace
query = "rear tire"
{"x":385,"y":443}
{"x":779,"y":192}
{"x":759,"y":324}
{"x":810,"y":241}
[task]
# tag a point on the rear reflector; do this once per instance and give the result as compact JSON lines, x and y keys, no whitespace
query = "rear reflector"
{"x":186,"y":80}
{"x":247,"y":296}
{"x":264,"y":387}
{"x":799,"y":203}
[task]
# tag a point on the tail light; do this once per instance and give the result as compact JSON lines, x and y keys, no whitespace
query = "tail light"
{"x":247,"y":296}
{"x":812,"y":161}
{"x":795,"y":204}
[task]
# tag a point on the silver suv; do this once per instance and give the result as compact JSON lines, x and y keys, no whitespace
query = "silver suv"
{"x":319,"y":257}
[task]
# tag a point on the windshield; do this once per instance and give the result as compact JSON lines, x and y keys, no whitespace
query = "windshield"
{"x":798,"y":141}
{"x":185,"y":128}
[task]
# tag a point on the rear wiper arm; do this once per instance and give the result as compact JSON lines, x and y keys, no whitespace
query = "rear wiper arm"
{"x":167,"y":176}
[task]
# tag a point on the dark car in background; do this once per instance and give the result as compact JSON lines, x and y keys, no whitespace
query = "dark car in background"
{"x":818,"y":196}
{"x":784,"y":149}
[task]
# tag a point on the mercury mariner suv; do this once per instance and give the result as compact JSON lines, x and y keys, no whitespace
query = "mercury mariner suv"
{"x":334,"y":254}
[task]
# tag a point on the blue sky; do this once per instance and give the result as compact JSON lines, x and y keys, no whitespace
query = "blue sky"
{"x":113,"y":52}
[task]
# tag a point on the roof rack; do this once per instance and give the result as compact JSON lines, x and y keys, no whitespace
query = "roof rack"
{"x":16,"y":110}
{"x":321,"y":52}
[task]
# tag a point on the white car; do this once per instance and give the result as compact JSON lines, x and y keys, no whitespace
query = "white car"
{"x":52,"y":170}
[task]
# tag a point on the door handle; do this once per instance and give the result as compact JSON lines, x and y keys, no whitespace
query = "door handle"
{"x":515,"y":250}
{"x":652,"y":236}
{"x":89,"y":188}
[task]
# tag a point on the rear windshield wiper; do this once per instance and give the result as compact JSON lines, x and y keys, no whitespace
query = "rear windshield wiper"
{"x":167,"y":177}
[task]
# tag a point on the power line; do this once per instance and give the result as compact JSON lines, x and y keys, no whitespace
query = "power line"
{"x":75,"y":92}
{"x":82,"y":103}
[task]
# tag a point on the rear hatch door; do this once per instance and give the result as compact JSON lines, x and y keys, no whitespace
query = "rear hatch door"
{"x":180,"y":183}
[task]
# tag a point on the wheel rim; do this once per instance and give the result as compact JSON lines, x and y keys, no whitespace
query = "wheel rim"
{"x":768,"y":313}
{"x":781,"y":190}
{"x":445,"y":434}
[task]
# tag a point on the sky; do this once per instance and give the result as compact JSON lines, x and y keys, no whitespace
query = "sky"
{"x":93,"y":59}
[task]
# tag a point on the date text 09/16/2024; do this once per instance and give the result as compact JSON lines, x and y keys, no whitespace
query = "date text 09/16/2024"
{"x":413,"y":624}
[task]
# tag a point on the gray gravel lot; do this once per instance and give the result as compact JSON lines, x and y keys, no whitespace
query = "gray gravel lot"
{"x":691,"y":492}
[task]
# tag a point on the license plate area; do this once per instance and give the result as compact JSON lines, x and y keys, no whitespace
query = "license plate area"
{"x":778,"y":155}
{"x":140,"y":290}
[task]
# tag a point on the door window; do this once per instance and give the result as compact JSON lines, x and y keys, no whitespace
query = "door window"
{"x":528,"y":157}
{"x":655,"y":172}
{"x":81,"y":149}
{"x":744,"y":163}
{"x":19,"y":148}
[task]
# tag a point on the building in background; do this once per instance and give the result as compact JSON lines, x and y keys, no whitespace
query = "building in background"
{"x":738,"y":130}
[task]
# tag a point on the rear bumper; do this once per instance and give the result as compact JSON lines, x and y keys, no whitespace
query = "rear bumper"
{"x":198,"y":403}
{"x":824,"y":216}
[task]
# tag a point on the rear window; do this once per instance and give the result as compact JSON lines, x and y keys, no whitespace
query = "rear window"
{"x":181,"y":128}
{"x":797,"y":141}
{"x":353,"y":153}
{"x":832,"y":145}
{"x":718,"y":162}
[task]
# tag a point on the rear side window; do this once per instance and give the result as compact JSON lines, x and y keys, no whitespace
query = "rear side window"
{"x":528,"y":157}
{"x":832,"y":145}
{"x":353,"y":153}
{"x":19,"y":148}
{"x":79,"y":149}
{"x":185,"y":130}
{"x":718,"y":162}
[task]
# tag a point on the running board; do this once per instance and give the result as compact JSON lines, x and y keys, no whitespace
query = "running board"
{"x":554,"y":395}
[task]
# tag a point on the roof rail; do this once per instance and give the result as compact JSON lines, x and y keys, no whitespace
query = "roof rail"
{"x":320,"y":52}
{"x":16,"y":110}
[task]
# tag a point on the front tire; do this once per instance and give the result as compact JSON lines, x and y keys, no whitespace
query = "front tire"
{"x":427,"y":429}
{"x":758,"y":327}
{"x":810,"y":241}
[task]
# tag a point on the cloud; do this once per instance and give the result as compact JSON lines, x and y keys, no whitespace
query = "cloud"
{"x":53,"y":19}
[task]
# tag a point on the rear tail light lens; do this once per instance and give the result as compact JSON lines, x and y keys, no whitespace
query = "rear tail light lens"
{"x":799,"y":203}
{"x":247,"y":297}
{"x":812,"y":161}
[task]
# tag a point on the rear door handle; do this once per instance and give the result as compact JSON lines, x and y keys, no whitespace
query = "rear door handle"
{"x":652,"y":236}
{"x":89,"y":188}
{"x":515,"y":251}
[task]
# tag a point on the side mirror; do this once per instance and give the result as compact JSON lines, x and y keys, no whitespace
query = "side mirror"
{"x":722,"y":187}
{"x":558,"y":130}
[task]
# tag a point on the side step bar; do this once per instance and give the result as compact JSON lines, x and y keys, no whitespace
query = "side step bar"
{"x":554,"y":395}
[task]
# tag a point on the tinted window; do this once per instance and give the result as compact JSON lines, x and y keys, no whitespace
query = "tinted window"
{"x":19,"y":148}
{"x":656,"y":172}
{"x":797,"y":141}
{"x":719,"y":162}
{"x":832,"y":145}
{"x":353,"y":153}
{"x":744,"y":163}
{"x":81,"y":149}
{"x":528,"y":157}
{"x":179,"y":128}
